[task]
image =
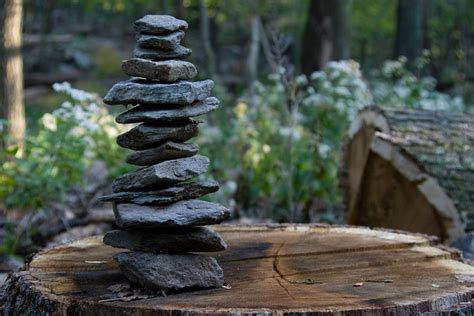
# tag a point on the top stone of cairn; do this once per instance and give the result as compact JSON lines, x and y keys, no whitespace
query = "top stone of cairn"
{"x":159,"y":24}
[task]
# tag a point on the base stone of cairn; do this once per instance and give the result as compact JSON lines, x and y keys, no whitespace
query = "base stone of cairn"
{"x":156,"y":209}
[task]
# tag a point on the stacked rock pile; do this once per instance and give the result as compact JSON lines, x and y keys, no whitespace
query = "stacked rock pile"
{"x":159,"y":218}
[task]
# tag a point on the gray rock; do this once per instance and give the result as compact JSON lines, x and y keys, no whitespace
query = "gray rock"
{"x":182,"y":191}
{"x":166,"y":151}
{"x":138,"y":91}
{"x":170,"y":272}
{"x":195,"y":239}
{"x":165,"y":173}
{"x":145,"y":135}
{"x":159,"y":24}
{"x":166,"y":70}
{"x":165,"y":42}
{"x":180,"y":214}
{"x":155,"y":54}
{"x":149,"y":113}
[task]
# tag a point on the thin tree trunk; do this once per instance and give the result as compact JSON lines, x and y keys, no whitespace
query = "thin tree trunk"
{"x":11,"y":73}
{"x":206,"y":39}
{"x":180,"y":9}
{"x":252,"y":61}
{"x":326,"y":35}
{"x":409,"y":38}
{"x":165,"y":5}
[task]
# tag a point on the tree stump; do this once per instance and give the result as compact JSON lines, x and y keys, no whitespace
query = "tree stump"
{"x":269,"y":269}
{"x":411,"y":170}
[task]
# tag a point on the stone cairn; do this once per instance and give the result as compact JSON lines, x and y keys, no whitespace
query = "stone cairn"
{"x":159,"y":218}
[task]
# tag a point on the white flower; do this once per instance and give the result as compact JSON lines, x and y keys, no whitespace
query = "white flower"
{"x":288,"y":131}
{"x":231,"y":186}
{"x":61,"y":87}
{"x":266,"y":148}
{"x":403,"y":59}
{"x":274,"y":77}
{"x":301,"y":80}
{"x":391,"y":67}
{"x":93,"y":107}
{"x":76,"y":94}
{"x":318,"y":75}
{"x":49,"y":122}
{"x":89,"y":125}
{"x":324,"y":150}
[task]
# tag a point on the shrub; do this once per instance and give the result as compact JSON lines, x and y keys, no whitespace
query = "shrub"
{"x":264,"y":152}
{"x":55,"y":157}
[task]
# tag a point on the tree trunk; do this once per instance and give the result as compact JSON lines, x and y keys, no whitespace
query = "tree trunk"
{"x":410,"y":170}
{"x":252,"y":60}
{"x":206,"y":39}
{"x":11,"y":73}
{"x":326,"y":35}
{"x":409,"y":37}
{"x":165,"y":5}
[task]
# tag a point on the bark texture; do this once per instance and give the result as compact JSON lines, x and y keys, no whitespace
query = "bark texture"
{"x":429,"y":154}
{"x":11,"y":71}
{"x":294,"y":269}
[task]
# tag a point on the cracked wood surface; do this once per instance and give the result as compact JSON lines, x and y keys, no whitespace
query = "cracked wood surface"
{"x":270,"y":269}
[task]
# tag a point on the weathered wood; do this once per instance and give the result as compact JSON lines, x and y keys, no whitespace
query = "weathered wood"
{"x":269,"y":269}
{"x":410,"y":169}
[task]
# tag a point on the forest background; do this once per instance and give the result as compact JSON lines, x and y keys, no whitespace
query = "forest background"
{"x":291,"y":75}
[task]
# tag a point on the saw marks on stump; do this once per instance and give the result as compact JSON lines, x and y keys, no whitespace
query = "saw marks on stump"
{"x":276,"y":269}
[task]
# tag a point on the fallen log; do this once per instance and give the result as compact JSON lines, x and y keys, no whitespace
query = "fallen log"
{"x":279,"y":269}
{"x":411,"y":170}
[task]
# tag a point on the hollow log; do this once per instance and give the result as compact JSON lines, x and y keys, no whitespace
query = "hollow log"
{"x":410,"y":169}
{"x":297,"y":269}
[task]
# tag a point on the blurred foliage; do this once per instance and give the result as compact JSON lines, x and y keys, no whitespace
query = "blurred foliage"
{"x":57,"y":154}
{"x":107,"y":61}
{"x":251,"y":144}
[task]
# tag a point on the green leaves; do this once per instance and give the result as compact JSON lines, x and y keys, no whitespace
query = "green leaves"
{"x":67,"y":141}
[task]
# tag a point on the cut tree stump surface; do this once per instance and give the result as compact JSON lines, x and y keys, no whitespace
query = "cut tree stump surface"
{"x":268,"y":269}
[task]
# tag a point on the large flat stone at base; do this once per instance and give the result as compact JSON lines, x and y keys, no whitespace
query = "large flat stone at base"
{"x":155,"y":54}
{"x":170,"y":272}
{"x":165,"y":173}
{"x":139,"y":91}
{"x":181,"y":191}
{"x":159,"y":24}
{"x":165,"y":70}
{"x":166,"y":151}
{"x":180,"y":214}
{"x":150,"y":113}
{"x":195,"y":239}
{"x":145,"y":135}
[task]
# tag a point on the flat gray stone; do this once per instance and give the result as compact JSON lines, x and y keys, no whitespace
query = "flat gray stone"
{"x":165,"y":173}
{"x":180,"y":214}
{"x":166,"y":151}
{"x":165,"y":70}
{"x":166,"y":42}
{"x":195,"y":239}
{"x":158,"y":54}
{"x":159,"y":24}
{"x":150,"y":113}
{"x":146,"y":135}
{"x":170,"y":272}
{"x":139,"y":91}
{"x":181,"y":191}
